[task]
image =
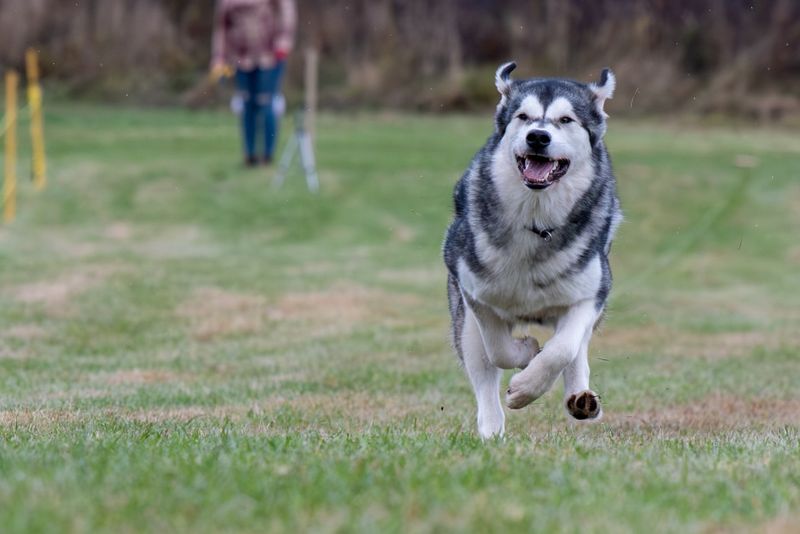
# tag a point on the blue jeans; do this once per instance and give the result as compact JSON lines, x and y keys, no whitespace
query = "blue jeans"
{"x":259,"y":88}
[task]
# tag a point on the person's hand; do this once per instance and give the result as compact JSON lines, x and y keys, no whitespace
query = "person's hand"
{"x":218,"y":70}
{"x":281,"y":54}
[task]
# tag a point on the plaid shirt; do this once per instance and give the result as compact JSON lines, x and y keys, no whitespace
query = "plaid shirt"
{"x":249,"y":33}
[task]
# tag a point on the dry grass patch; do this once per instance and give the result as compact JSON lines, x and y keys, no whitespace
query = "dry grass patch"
{"x":343,"y":407}
{"x":47,"y":418}
{"x":65,"y":244}
{"x":37,"y":418}
{"x":184,"y":413}
{"x":608,"y":339}
{"x":365,"y":407}
{"x":673,"y":343}
{"x":312,"y":268}
{"x":17,"y":335}
{"x":24,"y":332}
{"x":343,"y":306}
{"x":56,"y":294}
{"x":177,"y":242}
{"x":721,"y":411}
{"x":729,"y":344}
{"x":214,"y":313}
{"x":81,"y":393}
{"x":7,"y":353}
{"x":289,"y":376}
{"x":794,"y":203}
{"x":138,"y":376}
{"x":118,"y":231}
{"x":780,"y":525}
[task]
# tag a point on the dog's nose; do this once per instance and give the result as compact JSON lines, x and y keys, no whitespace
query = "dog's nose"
{"x":538,"y":138}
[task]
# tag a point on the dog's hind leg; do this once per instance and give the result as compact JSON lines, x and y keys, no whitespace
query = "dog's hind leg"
{"x":483,"y":375}
{"x":485,"y":379}
{"x":560,"y":351}
{"x":581,"y":402}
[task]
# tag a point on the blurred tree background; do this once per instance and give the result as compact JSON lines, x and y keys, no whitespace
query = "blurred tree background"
{"x":729,"y":57}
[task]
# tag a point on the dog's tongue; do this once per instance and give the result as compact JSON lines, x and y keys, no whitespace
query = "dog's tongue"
{"x":536,"y":170}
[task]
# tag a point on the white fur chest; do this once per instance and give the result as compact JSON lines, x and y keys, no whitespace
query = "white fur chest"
{"x":515,"y":286}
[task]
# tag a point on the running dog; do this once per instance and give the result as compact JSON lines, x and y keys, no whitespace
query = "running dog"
{"x":535,"y":214}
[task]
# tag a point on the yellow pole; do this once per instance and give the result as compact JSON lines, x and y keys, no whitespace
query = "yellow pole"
{"x":10,"y":181}
{"x":37,"y":127}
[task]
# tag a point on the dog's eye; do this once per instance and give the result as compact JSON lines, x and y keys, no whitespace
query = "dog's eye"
{"x":565,"y":120}
{"x":522,"y":117}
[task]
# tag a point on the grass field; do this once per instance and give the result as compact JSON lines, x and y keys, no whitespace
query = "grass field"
{"x":183,"y":348}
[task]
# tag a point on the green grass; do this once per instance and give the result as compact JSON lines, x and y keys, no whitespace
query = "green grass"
{"x":184,"y":348}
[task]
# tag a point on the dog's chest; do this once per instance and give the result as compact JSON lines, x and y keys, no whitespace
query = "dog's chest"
{"x":518,"y":282}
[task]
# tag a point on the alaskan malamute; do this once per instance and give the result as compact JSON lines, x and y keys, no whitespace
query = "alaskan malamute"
{"x":535,"y":214}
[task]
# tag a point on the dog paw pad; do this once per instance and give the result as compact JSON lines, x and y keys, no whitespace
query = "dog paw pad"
{"x":583,"y":405}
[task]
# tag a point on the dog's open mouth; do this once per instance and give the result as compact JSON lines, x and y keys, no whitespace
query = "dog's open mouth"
{"x":539,"y":172}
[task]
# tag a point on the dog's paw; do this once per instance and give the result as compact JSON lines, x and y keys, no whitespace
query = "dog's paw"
{"x":491,"y":422}
{"x":584,"y":405}
{"x":488,"y":431}
{"x":530,"y":384}
{"x":517,"y":398}
{"x":519,"y":393}
{"x":526,"y":348}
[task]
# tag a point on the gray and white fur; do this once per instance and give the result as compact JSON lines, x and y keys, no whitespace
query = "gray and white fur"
{"x":535,"y":214}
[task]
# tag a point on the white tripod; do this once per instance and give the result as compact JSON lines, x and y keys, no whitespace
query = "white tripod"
{"x":300,"y":140}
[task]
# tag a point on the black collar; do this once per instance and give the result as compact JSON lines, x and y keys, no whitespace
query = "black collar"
{"x":546,"y":234}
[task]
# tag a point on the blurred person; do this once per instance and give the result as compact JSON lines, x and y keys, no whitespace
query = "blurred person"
{"x":255,"y":37}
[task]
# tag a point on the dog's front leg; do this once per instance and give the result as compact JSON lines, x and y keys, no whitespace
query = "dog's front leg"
{"x":538,"y":377}
{"x":503,"y":350}
{"x":487,"y":346}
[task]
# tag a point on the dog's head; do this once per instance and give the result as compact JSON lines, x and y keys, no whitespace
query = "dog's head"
{"x":550,"y":126}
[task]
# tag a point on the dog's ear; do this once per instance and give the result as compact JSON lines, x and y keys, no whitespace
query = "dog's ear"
{"x":502,"y":79}
{"x":603,"y":89}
